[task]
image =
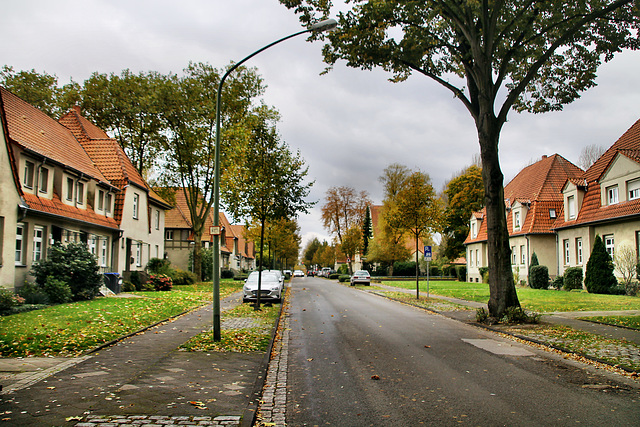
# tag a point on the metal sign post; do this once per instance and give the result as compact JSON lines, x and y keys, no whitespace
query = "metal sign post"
{"x":427,"y":257}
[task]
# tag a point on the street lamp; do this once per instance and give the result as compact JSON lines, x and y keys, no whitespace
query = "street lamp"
{"x":326,"y":25}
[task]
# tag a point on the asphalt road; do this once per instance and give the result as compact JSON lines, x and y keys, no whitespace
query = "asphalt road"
{"x":357,"y":359}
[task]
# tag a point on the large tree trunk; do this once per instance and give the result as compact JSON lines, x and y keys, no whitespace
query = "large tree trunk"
{"x":197,"y":256}
{"x":502,"y":289}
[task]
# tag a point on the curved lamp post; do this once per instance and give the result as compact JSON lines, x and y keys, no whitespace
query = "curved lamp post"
{"x":326,"y":25}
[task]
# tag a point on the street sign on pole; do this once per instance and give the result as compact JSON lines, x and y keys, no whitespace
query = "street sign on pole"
{"x":427,"y":253}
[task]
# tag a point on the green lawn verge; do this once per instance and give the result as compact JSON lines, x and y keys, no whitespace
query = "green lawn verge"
{"x":538,"y":300}
{"x":73,"y":328}
{"x":436,"y":304}
{"x":627,"y":321}
{"x":244,"y":340}
{"x":612,"y":351}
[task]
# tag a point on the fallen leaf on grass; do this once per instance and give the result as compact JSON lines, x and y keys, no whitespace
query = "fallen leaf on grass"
{"x":375,"y":377}
{"x":427,"y":346}
{"x":309,"y":360}
{"x":73,"y":419}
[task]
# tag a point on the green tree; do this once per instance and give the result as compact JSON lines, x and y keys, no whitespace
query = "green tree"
{"x":188,"y":106}
{"x":310,"y":251}
{"x":418,"y":210}
{"x":128,"y":107}
{"x":599,"y":277}
{"x":465,"y":195}
{"x":351,"y":245}
{"x":388,"y":244}
{"x":367,"y":230}
{"x":493,"y":57}
{"x":267,"y":182}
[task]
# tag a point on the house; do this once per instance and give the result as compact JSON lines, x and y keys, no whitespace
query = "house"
{"x":533,"y":202}
{"x":603,"y":201}
{"x":52,"y":191}
{"x":236,"y":253}
{"x":67,"y":181}
{"x":138,"y":210}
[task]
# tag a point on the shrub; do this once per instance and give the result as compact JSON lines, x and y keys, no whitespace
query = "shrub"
{"x":461,"y":272}
{"x":539,"y":276}
{"x":33,"y":294}
{"x":57,"y":290}
{"x":74,"y":265}
{"x":632,"y":288}
{"x":481,"y":315}
{"x":402,"y":268}
{"x":206,"y":263}
{"x":558,"y":281}
{"x":8,"y":300}
{"x":447,"y":270}
{"x":518,"y":315}
{"x":344,"y":278}
{"x":599,"y":278}
{"x":136,"y":280}
{"x":159,"y":266}
{"x":343,"y":269}
{"x":334,"y":276}
{"x":183,"y":278}
{"x":128,"y":286}
{"x":573,"y":278}
{"x":484,"y":273}
{"x":226,"y":274}
{"x":533,"y":263}
{"x":160,"y":282}
{"x":434,"y":270}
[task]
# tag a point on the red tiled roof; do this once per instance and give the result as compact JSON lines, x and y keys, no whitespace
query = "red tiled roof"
{"x":33,"y":130}
{"x":538,"y":186}
{"x":592,"y":210}
{"x":56,"y":207}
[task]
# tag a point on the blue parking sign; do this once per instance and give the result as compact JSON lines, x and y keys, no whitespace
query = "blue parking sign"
{"x":427,"y":253}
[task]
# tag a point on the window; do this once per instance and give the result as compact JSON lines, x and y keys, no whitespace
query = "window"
{"x":608,"y":244}
{"x":70,"y":189}
{"x":516,"y":221}
{"x":552,"y":213}
{"x":513,"y":255}
{"x":633,"y":187}
{"x":100,"y":200}
{"x":103,"y":253}
{"x":157,"y":221}
{"x":612,"y":195}
{"x":571,"y":207}
{"x":477,"y":258}
{"x":473,"y":230}
{"x":168,"y":235}
{"x":19,"y":243}
{"x":139,"y":254}
{"x":579,"y":251}
{"x":108,"y":202}
{"x":38,"y":233}
{"x":565,"y":244}
{"x":157,"y":251}
{"x":80,"y":196}
{"x":29,"y":167}
{"x":470,"y":258}
{"x":92,"y":246}
{"x":136,"y":203}
{"x":523,"y":255}
{"x":44,"y":180}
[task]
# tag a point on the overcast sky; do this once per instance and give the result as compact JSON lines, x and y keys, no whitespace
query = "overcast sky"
{"x":348,"y":125}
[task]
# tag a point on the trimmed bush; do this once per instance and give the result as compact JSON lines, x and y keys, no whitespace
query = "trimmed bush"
{"x":159,"y":266}
{"x":72,"y":264}
{"x":334,"y":276}
{"x":533,"y":263}
{"x":402,"y":268}
{"x":33,"y":294}
{"x":539,"y":276}
{"x":433,"y":270}
{"x":484,"y":273}
{"x":599,"y":277}
{"x":8,"y":300}
{"x":558,"y":282}
{"x":343,"y":269}
{"x":226,"y":274}
{"x":573,"y":278}
{"x":344,"y":278}
{"x":57,"y":290}
{"x":160,"y":282}
{"x":128,"y":286}
{"x":461,"y":272}
{"x":183,"y":278}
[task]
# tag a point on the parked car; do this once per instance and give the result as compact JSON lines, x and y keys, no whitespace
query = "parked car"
{"x":361,"y":276}
{"x":271,"y":287}
{"x":298,"y":273}
{"x":325,"y":272}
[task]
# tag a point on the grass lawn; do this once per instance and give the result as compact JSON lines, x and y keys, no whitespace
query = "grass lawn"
{"x":628,"y":321}
{"x":244,"y":340}
{"x":73,"y":328}
{"x":431,"y":303}
{"x":538,"y":300}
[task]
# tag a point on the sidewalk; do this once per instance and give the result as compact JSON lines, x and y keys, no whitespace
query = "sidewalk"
{"x":143,"y":380}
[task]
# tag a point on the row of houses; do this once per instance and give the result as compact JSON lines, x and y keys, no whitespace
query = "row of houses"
{"x":556,"y":209}
{"x":67,"y":181}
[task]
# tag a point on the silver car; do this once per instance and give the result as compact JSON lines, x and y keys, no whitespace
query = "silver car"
{"x":270,"y":287}
{"x":361,"y":276}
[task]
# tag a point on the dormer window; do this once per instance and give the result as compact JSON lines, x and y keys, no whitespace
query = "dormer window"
{"x":571,"y":207}
{"x":633,"y":187}
{"x":29,"y":169}
{"x":474,"y":233}
{"x":516,"y":221}
{"x":612,"y":195}
{"x":44,"y":180}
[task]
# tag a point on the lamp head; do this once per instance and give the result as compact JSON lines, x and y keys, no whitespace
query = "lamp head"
{"x":325,"y":25}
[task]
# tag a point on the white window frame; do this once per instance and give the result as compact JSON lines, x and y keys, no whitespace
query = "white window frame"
{"x":474,"y":233}
{"x":138,"y":254}
{"x":103,"y":252}
{"x":168,"y":235}
{"x":477,"y":258}
{"x":471,"y":258}
{"x":136,"y":205}
{"x":29,"y":170}
{"x":157,"y":219}
{"x":567,"y":252}
{"x":20,"y":234}
{"x":157,"y":251}
{"x":516,"y":221}
{"x":80,"y":193}
{"x":633,"y":189}
{"x":612,"y":195}
{"x":571,"y":207}
{"x":108,"y":203}
{"x":514,"y":255}
{"x":100,"y":200}
{"x":43,"y":180}
{"x":38,"y":239}
{"x":609,"y":244}
{"x":92,"y":245}
{"x":579,"y":250}
{"x":523,"y":255}
{"x":552,"y":213}
{"x":70,"y":187}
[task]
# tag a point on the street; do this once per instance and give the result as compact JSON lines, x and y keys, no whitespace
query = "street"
{"x":360,"y":359}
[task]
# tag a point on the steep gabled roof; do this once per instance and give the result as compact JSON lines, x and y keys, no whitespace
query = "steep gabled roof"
{"x":628,"y":144}
{"x":36,"y":132}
